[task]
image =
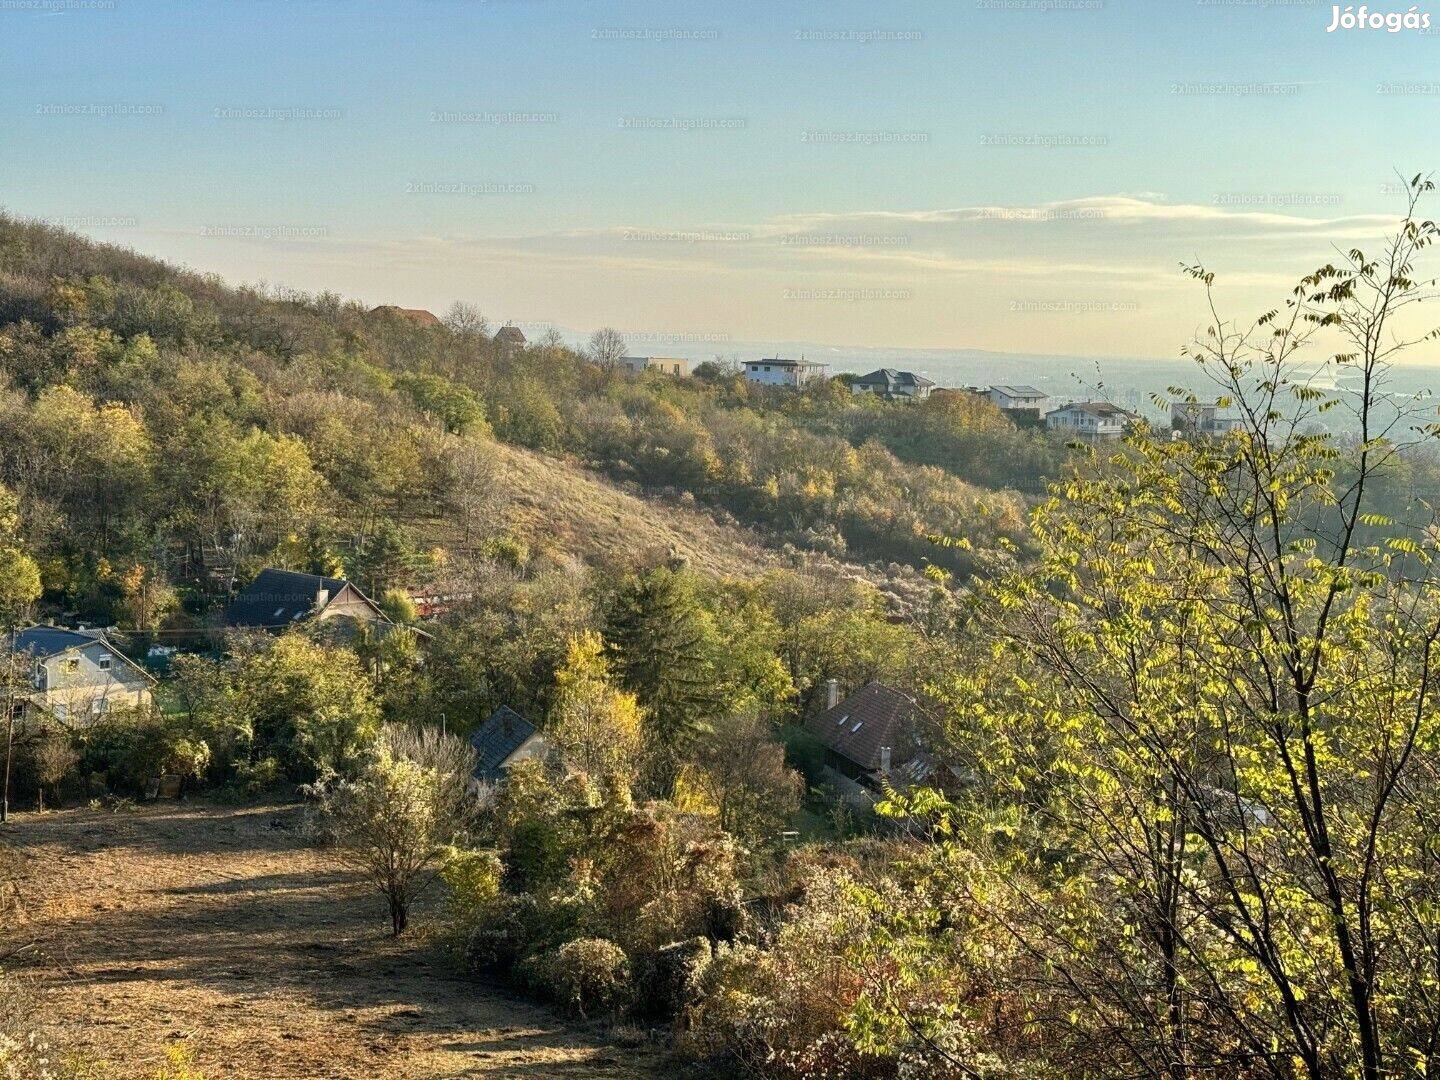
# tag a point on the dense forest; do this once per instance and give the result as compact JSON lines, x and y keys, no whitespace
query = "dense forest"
{"x":1175,"y":694}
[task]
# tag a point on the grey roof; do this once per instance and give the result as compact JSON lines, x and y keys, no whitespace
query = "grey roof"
{"x":496,"y":740}
{"x":279,"y":597}
{"x":889,"y":377}
{"x":1020,"y":391}
{"x":43,"y":641}
{"x":1099,"y":408}
{"x":510,"y":335}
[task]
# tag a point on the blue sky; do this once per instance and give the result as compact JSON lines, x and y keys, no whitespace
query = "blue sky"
{"x":765,"y":173}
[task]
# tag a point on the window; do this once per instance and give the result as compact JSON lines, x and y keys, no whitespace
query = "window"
{"x":767,"y":367}
{"x":842,"y":720}
{"x":70,"y":665}
{"x":104,"y":663}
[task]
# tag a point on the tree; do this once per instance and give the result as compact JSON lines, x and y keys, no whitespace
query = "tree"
{"x":410,"y":801}
{"x":743,"y":770}
{"x":661,"y":647}
{"x":595,"y":725}
{"x":1208,"y":718}
{"x":19,"y":575}
{"x":605,"y":348}
{"x":466,"y":320}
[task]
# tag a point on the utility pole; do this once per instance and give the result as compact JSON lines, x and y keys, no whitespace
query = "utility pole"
{"x":8,"y":688}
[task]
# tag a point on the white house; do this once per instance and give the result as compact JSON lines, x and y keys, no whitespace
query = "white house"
{"x":893,"y":385}
{"x":665,"y":365}
{"x":1017,"y":397}
{"x":1201,"y":418}
{"x":78,"y":676}
{"x":779,"y":372}
{"x":1093,"y":419}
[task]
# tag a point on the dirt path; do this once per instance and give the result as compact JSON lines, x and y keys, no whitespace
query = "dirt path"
{"x":220,"y":926}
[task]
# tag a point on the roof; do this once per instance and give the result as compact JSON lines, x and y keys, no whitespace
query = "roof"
{"x":1101,"y":409}
{"x":43,"y":642}
{"x":872,"y":717}
{"x":278,"y":597}
{"x":510,"y":335}
{"x":494,"y":741}
{"x":891,"y":377}
{"x":419,"y":315}
{"x":1019,"y":391}
{"x":780,"y":361}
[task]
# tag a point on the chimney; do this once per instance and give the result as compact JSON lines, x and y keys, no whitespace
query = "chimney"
{"x":884,"y":761}
{"x":322,"y":597}
{"x":832,"y":693}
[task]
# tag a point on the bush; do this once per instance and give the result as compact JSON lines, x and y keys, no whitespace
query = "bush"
{"x":677,"y":970}
{"x":473,"y":880}
{"x":585,"y":976}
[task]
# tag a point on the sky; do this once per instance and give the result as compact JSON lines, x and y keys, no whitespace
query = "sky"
{"x":1010,"y":175}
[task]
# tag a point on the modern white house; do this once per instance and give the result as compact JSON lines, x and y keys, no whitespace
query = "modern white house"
{"x":777,"y":371}
{"x":78,"y":675}
{"x":1017,"y":397}
{"x":1201,"y":418}
{"x":665,"y":365}
{"x":1092,"y":419}
{"x":893,"y":385}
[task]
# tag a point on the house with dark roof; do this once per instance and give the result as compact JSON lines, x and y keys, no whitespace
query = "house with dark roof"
{"x":277,"y":599}
{"x":503,"y":739}
{"x":509,"y":338}
{"x":1091,"y":419}
{"x":416,"y":315}
{"x":77,"y":675}
{"x":869,"y":737}
{"x":893,"y":385}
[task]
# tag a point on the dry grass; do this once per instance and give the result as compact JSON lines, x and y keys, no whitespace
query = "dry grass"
{"x":559,"y":506}
{"x":224,"y":928}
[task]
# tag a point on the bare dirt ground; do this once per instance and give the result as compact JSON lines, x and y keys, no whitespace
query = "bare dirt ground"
{"x":222,"y":927}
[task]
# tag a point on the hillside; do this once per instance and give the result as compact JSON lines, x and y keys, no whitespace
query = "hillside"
{"x":164,"y":429}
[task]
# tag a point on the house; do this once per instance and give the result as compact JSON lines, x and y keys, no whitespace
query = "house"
{"x":1092,"y":419}
{"x":509,"y":339}
{"x":78,"y":675}
{"x":1017,"y":397}
{"x":503,"y":739}
{"x":278,"y":598}
{"x":1201,"y":418}
{"x":870,"y":735}
{"x":893,"y":385}
{"x":665,"y":365}
{"x":415,"y":315}
{"x":776,"y":371}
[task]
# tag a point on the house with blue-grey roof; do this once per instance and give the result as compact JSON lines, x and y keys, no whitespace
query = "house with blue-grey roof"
{"x":76,"y":675}
{"x":503,"y":739}
{"x":277,"y":599}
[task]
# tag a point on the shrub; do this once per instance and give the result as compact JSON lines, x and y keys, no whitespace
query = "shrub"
{"x":677,"y":970}
{"x":473,"y":880}
{"x":585,"y":976}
